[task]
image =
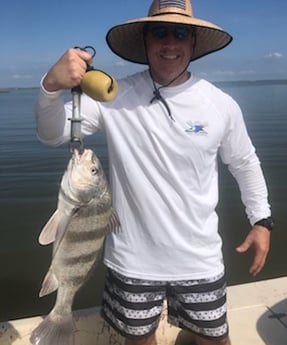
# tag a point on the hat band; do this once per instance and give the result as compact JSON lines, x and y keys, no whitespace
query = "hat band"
{"x":168,"y":13}
{"x":172,"y":3}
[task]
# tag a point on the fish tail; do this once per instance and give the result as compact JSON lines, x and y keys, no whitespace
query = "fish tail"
{"x":54,"y":329}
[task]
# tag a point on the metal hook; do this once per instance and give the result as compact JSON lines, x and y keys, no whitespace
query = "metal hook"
{"x":76,"y":144}
{"x":76,"y":134}
{"x":88,"y":49}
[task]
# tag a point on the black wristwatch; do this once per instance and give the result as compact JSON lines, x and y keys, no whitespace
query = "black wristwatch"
{"x":266,"y":222}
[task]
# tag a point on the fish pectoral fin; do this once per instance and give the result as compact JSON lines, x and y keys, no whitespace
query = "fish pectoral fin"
{"x":50,"y":284}
{"x":64,"y":221}
{"x":114,"y":223}
{"x":48,"y":233}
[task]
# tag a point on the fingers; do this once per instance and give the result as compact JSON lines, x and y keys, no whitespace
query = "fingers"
{"x":76,"y":66}
{"x":244,"y":246}
{"x":83,"y":54}
{"x":258,"y":262}
{"x":68,"y":71}
{"x":261,"y":251}
{"x":259,"y":240}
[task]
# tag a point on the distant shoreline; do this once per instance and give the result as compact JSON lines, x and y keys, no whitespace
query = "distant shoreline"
{"x":252,"y":82}
{"x":219,"y":83}
{"x":11,"y":89}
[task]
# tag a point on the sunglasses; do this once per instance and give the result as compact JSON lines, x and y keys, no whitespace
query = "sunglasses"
{"x":162,"y":31}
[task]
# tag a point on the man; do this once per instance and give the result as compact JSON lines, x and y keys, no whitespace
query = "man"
{"x":165,"y":130}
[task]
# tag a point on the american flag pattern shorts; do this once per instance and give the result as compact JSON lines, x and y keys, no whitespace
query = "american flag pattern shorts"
{"x":134,"y":306}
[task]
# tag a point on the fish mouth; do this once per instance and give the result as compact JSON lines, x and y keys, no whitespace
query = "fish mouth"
{"x":81,"y":156}
{"x":77,"y":155}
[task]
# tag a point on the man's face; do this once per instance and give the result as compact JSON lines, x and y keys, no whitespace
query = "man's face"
{"x":169,"y":50}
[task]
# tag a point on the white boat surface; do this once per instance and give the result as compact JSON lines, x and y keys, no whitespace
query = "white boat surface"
{"x":257,"y":314}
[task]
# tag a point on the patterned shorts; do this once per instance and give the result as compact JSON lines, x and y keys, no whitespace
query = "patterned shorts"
{"x":134,"y":306}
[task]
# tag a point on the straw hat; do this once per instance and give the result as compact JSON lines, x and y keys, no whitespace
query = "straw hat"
{"x":126,"y":39}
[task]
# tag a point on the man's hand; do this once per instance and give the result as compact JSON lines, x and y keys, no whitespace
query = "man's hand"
{"x":68,"y":71}
{"x":258,"y":239}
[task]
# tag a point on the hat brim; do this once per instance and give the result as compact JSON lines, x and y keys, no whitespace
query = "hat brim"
{"x":126,"y":40}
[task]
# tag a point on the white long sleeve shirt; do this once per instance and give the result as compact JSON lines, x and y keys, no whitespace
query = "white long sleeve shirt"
{"x":164,"y":173}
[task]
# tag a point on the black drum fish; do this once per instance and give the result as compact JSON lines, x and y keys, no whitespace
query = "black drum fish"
{"x":78,"y":228}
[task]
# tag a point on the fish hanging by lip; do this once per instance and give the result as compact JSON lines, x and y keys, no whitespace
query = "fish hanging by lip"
{"x":78,"y":228}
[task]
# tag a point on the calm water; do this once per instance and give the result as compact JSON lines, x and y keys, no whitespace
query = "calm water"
{"x":29,"y":180}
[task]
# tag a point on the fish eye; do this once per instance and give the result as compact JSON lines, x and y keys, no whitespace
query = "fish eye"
{"x":94,"y":170}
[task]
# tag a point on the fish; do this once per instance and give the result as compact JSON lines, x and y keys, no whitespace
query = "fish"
{"x":77,"y":229}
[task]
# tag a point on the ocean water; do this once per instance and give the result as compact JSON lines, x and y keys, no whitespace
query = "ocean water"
{"x":29,"y":180}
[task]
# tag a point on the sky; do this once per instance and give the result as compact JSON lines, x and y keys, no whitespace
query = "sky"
{"x":34,"y":34}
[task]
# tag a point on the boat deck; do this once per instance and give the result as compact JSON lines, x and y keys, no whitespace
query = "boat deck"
{"x":258,"y":312}
{"x":257,"y":316}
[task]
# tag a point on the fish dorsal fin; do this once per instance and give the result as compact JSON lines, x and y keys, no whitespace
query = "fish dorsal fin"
{"x":48,"y":233}
{"x":114,"y":223}
{"x":49,"y":285}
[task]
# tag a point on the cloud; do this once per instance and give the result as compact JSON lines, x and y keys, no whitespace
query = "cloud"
{"x":247,"y":72}
{"x":274,"y":56}
{"x":223,"y":72}
{"x":22,"y":76}
{"x":120,"y":63}
{"x":231,"y":73}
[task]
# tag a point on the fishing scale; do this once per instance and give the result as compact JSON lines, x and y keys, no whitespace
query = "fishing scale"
{"x":98,"y":85}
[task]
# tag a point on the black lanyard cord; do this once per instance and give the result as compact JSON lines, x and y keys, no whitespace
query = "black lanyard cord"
{"x":158,"y":96}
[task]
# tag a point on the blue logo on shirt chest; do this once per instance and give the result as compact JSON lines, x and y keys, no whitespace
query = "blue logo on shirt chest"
{"x":197,"y":128}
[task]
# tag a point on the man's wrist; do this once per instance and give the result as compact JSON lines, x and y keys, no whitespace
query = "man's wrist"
{"x":268,"y":223}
